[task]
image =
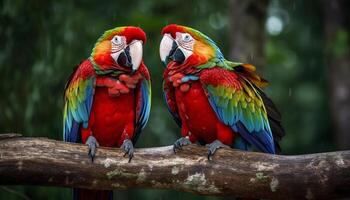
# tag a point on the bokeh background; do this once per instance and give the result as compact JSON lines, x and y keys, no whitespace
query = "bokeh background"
{"x":301,"y":47}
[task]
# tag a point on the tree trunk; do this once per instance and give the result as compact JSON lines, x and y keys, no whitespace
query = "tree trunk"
{"x":337,"y":25}
{"x":247,"y":31}
{"x":39,"y":161}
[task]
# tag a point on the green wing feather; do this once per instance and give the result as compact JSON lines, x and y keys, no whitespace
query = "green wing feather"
{"x":78,"y":101}
{"x":239,"y":105}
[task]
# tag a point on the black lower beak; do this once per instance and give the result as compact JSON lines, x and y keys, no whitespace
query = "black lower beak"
{"x":124,"y":58}
{"x":176,"y":54}
{"x":133,"y":71}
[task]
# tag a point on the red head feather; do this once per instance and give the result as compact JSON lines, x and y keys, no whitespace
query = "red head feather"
{"x":131,"y":33}
{"x":172,"y":29}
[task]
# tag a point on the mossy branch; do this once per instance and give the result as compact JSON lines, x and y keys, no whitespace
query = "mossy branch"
{"x":40,"y":161}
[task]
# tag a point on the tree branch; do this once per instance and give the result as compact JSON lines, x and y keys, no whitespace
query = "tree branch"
{"x":41,"y":161}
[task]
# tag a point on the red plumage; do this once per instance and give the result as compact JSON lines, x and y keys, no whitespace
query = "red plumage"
{"x":111,"y":118}
{"x":172,"y":29}
{"x":132,"y":33}
{"x":107,"y":98}
{"x":198,"y":118}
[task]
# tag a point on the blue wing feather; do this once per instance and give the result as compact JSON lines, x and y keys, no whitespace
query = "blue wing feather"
{"x":258,"y":139}
{"x":242,"y":124}
{"x":145,"y":108}
{"x":77,"y":113}
{"x":251,"y":123}
{"x":175,"y":115}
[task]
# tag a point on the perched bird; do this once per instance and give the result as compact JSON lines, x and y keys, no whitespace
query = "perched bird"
{"x":215,"y":101}
{"x":108,"y":97}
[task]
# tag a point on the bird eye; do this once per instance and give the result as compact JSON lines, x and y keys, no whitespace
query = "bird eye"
{"x":186,"y":37}
{"x":117,"y":40}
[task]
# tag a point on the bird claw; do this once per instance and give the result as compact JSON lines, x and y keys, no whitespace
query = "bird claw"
{"x":178,"y":144}
{"x":128,"y":148}
{"x":212,"y":147}
{"x":92,"y":145}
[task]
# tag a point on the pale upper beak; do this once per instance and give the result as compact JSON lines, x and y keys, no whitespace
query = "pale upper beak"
{"x":166,"y":46}
{"x":135,"y":54}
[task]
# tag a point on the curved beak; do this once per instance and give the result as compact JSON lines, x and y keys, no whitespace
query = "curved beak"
{"x":169,"y":50}
{"x":135,"y":54}
{"x":165,"y":48}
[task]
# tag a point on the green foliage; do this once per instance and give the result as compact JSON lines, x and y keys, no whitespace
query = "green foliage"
{"x":43,"y":40}
{"x":340,"y":45}
{"x":298,"y":75}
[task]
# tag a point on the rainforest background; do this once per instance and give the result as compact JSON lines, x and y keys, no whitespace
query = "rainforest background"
{"x":301,"y":47}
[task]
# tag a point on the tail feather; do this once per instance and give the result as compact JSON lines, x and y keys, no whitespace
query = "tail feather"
{"x":86,"y":194}
{"x":275,"y":119}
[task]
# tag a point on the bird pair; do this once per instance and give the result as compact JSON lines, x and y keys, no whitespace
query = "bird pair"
{"x":215,"y":101}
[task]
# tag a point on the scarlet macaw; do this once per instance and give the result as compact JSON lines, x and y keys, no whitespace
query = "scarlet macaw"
{"x":108,"y":97}
{"x":215,"y":101}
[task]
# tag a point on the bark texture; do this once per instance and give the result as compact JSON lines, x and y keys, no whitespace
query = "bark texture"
{"x":247,"y":31}
{"x":337,"y":29}
{"x":40,"y":161}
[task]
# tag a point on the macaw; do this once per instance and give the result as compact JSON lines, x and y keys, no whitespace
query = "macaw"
{"x":108,"y":97}
{"x":215,"y":101}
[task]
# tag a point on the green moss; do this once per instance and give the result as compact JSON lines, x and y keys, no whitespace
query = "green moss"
{"x":261,"y":177}
{"x":121,"y":174}
{"x":274,"y":184}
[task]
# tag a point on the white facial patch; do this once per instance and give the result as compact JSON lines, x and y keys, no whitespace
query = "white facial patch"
{"x":118,"y":43}
{"x":185,"y":42}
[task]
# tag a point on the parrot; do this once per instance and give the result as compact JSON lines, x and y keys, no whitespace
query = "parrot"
{"x":108,"y":97}
{"x":216,"y":102}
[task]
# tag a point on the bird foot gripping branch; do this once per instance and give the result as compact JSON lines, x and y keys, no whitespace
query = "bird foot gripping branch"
{"x":212,"y":147}
{"x":128,"y":148}
{"x":92,"y":145}
{"x":178,"y":144}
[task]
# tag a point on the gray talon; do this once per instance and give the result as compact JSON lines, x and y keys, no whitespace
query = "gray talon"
{"x":183,"y":141}
{"x":93,"y":145}
{"x":212,"y":147}
{"x":128,"y":148}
